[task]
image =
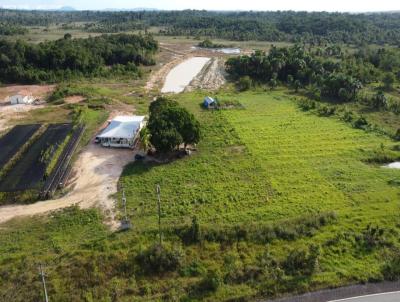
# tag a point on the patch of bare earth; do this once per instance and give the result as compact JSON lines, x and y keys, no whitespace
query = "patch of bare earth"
{"x":15,"y":112}
{"x":37,"y":91}
{"x":74,"y":99}
{"x":211,"y":77}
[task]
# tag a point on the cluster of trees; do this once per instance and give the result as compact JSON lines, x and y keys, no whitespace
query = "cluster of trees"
{"x":9,"y":29}
{"x":296,"y":67}
{"x":210,"y":44}
{"x":320,"y":70}
{"x":66,"y":58}
{"x":314,"y":27}
{"x":170,"y":125}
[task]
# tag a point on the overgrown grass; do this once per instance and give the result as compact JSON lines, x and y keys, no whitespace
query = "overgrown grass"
{"x":262,"y":186}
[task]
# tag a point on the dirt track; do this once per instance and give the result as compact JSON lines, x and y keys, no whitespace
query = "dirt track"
{"x":96,"y":174}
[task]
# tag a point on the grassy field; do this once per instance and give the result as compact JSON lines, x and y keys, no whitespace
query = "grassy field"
{"x":269,"y":164}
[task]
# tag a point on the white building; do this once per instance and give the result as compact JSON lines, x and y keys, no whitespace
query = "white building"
{"x":21,"y":99}
{"x":122,"y":131}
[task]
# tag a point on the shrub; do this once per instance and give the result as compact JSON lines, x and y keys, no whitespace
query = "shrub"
{"x":191,"y":234}
{"x":302,"y":261}
{"x":245,"y":83}
{"x":324,"y":110}
{"x":211,"y":281}
{"x":194,"y":269}
{"x":306,"y":104}
{"x":382,"y":155}
{"x":348,"y":116}
{"x":159,"y":259}
{"x":372,"y":237}
{"x":391,"y":268}
{"x":360,"y":123}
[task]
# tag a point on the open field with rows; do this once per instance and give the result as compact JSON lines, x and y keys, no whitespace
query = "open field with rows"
{"x":13,"y":140}
{"x":28,"y":171}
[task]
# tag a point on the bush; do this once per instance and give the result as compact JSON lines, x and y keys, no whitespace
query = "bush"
{"x":306,"y":104}
{"x":372,"y":237}
{"x":245,"y":83}
{"x":191,"y":234}
{"x":391,"y":268}
{"x":324,"y":110}
{"x":302,"y":261}
{"x":211,"y":281}
{"x":360,"y":123}
{"x":159,"y":259}
{"x":261,"y":233}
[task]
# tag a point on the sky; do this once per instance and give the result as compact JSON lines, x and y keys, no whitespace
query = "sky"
{"x":297,"y":5}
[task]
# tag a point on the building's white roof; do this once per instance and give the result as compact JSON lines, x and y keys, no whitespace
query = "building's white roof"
{"x":123,"y":126}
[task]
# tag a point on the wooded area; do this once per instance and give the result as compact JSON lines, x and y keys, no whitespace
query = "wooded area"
{"x":67,"y":58}
{"x":313,"y":27}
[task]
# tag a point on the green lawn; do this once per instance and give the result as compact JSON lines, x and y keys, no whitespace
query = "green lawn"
{"x":269,"y":164}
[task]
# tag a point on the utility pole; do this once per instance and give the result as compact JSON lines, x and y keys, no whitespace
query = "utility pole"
{"x":158,"y":189}
{"x":126,"y":225}
{"x":46,"y":298}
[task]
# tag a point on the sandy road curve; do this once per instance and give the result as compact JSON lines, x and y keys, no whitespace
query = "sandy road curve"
{"x":96,"y":173}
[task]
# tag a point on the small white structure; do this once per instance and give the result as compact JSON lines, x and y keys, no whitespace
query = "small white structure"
{"x":21,"y":99}
{"x":121,"y":132}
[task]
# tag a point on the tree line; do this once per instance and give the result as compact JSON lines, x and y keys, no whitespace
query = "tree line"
{"x":7,"y":29}
{"x":66,"y":58}
{"x":317,"y":28}
{"x":327,"y":72}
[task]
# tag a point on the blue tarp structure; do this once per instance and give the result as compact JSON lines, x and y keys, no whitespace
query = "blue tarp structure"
{"x":209,"y":102}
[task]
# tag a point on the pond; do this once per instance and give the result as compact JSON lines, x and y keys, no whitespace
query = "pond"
{"x":181,"y":75}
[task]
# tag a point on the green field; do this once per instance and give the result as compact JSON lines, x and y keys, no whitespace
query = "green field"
{"x":269,"y":164}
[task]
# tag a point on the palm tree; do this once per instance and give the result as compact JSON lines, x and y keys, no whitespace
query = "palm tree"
{"x":144,"y":137}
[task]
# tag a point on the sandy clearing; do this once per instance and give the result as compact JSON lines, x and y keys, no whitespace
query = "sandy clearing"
{"x":15,"y":112}
{"x":181,"y":75}
{"x":38,"y":91}
{"x":95,"y":178}
{"x":74,"y":99}
{"x":157,"y":78}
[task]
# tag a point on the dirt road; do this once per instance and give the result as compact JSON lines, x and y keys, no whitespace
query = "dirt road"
{"x":95,"y":177}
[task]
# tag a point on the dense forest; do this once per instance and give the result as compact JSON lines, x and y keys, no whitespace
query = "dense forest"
{"x":66,"y":58}
{"x":315,"y":27}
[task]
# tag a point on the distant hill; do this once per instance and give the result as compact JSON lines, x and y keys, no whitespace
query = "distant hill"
{"x":67,"y":9}
{"x":130,"y":9}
